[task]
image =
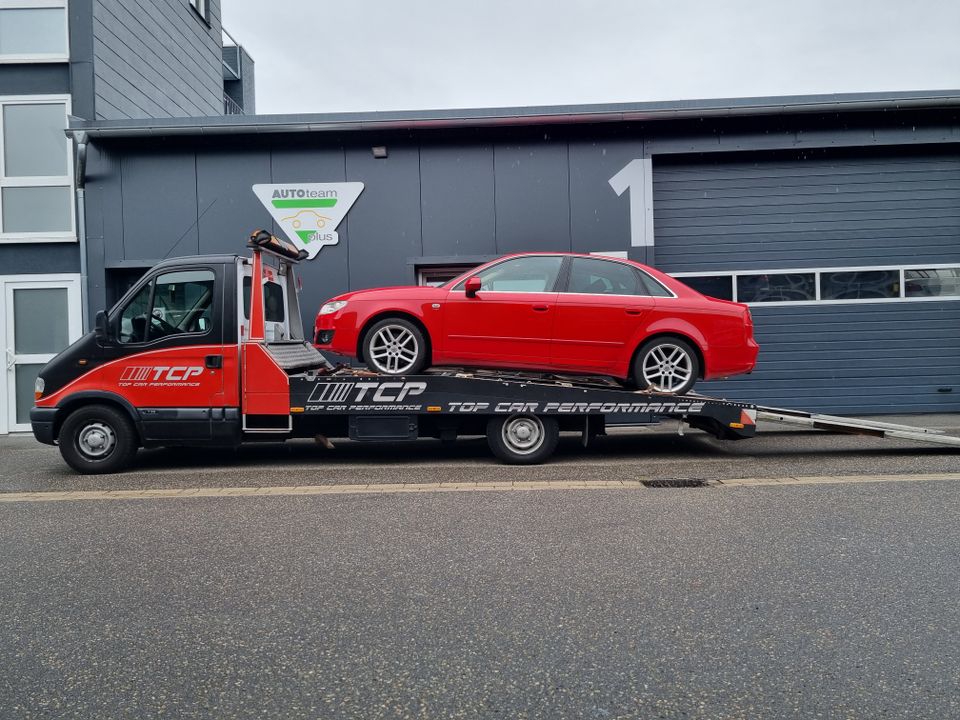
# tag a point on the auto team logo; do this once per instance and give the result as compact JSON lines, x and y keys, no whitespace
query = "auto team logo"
{"x":308,"y":214}
{"x":160,"y":376}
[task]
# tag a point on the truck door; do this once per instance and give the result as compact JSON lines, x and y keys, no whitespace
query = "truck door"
{"x":167,"y":350}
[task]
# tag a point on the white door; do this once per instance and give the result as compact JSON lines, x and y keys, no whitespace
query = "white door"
{"x":40,"y":318}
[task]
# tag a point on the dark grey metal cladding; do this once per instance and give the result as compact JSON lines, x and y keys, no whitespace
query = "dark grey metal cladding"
{"x":599,"y":218}
{"x":48,"y":79}
{"x":139,"y":67}
{"x":228,"y":210}
{"x":854,"y":359}
{"x":532,"y":196}
{"x":159,"y":208}
{"x":820,"y":208}
{"x":457,"y":197}
{"x":22,"y":258}
{"x":384,"y":223}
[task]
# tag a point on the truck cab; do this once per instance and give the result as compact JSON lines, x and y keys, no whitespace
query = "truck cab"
{"x":164,"y":365}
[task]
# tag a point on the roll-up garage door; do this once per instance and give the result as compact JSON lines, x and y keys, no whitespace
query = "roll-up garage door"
{"x":850,"y":261}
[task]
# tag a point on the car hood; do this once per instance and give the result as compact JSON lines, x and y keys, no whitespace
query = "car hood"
{"x":403,"y":292}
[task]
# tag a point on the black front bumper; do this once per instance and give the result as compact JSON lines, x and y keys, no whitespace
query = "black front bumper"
{"x":41,"y":420}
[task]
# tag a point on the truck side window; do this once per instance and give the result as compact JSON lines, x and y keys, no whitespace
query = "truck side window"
{"x":182,"y":302}
{"x":272,"y":301}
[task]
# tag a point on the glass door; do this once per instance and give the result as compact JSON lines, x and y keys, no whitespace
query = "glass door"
{"x":40,"y":318}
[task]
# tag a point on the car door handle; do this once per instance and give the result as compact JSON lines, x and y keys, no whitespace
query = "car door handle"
{"x":214,"y":362}
{"x":541,"y":308}
{"x":634,"y":311}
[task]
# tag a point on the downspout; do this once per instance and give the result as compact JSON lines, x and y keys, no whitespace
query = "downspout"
{"x":80,"y":167}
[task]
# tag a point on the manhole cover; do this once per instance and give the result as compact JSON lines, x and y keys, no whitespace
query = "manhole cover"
{"x":676,"y":483}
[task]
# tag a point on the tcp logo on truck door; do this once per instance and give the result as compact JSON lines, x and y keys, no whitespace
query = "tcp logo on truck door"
{"x":160,"y":376}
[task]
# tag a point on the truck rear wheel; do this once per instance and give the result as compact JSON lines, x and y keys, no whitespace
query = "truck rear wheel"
{"x":523,"y":439}
{"x":98,"y":439}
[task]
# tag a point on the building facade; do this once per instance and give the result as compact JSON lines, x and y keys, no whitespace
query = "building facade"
{"x":91,"y":60}
{"x":837,"y":218}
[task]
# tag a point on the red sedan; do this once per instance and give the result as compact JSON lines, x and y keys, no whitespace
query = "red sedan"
{"x":556,"y":312}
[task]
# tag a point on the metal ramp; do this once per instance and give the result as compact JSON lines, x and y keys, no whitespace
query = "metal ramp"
{"x":855,"y":426}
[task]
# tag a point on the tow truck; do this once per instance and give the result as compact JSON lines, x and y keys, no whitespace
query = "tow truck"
{"x":209,"y":351}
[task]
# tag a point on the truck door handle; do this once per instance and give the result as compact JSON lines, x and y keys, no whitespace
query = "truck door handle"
{"x":541,"y":308}
{"x":214,"y":362}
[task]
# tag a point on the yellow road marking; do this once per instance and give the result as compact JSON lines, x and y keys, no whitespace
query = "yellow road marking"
{"x":388,"y":488}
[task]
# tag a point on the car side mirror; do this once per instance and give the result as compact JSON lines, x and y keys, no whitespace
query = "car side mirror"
{"x":473,"y":286}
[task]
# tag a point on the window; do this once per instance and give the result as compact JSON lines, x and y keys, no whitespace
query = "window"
{"x":859,"y":284}
{"x":171,"y":304}
{"x":437,"y":276}
{"x":272,"y":301}
{"x":203,"y":9}
{"x":525,"y":274}
{"x":831,"y":285}
{"x":33,"y":31}
{"x":932,"y":282}
{"x":598,"y":277}
{"x":720,"y":286}
{"x":36,"y":199}
{"x":776,"y":287}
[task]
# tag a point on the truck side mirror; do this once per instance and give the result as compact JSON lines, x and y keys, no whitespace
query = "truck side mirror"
{"x":472,"y":286}
{"x":100,"y":328}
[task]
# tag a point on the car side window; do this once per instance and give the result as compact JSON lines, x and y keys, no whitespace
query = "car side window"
{"x":653,"y":287}
{"x":602,"y":277}
{"x":170,"y":304}
{"x":525,"y":274}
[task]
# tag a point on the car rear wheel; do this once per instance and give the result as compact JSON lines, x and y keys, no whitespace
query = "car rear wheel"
{"x":667,"y":364}
{"x":395,"y":347}
{"x":523,"y":439}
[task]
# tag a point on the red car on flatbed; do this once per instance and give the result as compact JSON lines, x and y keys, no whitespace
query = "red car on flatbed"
{"x":557,"y":312}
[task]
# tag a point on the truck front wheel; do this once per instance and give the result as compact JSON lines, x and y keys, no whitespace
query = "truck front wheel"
{"x":97,"y":439}
{"x":523,"y":439}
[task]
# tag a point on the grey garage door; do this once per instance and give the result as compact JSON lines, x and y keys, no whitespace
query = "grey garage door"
{"x":865,"y":315}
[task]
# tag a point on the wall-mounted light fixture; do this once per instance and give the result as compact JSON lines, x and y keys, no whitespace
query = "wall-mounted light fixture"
{"x":379,"y":151}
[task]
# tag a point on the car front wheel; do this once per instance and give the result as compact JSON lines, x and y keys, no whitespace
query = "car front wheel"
{"x":395,"y":347}
{"x":667,"y":364}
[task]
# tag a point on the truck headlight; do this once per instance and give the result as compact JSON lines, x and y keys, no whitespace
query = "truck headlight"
{"x":332,"y":307}
{"x":38,"y":388}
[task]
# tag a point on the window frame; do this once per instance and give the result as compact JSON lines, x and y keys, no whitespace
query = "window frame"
{"x":644,"y":279}
{"x":202,"y":9}
{"x":558,"y":282}
{"x":39,"y":57}
{"x":818,"y":271}
{"x":31,"y":181}
{"x":115,"y":316}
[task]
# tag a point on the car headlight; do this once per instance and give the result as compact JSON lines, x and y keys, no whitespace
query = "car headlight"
{"x":38,"y":388}
{"x":332,"y":307}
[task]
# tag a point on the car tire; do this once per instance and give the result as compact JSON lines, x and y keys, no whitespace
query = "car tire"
{"x":666,"y":364}
{"x":98,"y":439}
{"x":523,"y":439}
{"x":395,"y":346}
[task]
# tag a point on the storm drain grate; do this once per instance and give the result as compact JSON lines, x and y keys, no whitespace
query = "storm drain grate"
{"x":676,"y":483}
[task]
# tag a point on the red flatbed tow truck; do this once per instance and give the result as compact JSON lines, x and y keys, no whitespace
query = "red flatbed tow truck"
{"x":209,"y":351}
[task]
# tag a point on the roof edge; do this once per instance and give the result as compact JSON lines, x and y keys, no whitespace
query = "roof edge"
{"x":518,"y":116}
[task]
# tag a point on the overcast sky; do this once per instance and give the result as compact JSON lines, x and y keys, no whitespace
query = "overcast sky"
{"x":322,"y":56}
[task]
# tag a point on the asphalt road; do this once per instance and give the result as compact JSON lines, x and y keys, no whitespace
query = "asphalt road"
{"x":833,"y":601}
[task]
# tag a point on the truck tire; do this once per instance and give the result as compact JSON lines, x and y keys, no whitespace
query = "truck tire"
{"x":395,"y":346}
{"x":98,"y":439}
{"x":523,"y":439}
